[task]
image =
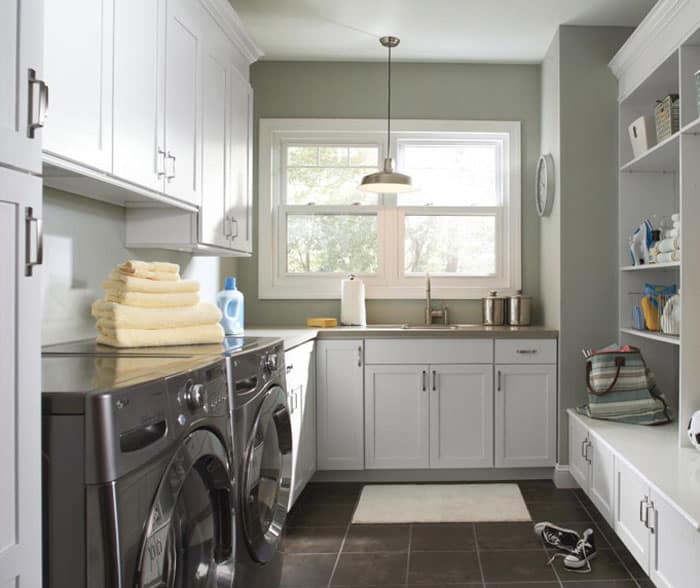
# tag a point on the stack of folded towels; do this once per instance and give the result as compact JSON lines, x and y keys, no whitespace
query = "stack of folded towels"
{"x":146,"y":304}
{"x":669,"y":248}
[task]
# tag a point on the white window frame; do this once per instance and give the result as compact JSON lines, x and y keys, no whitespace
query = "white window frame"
{"x":389,"y":282}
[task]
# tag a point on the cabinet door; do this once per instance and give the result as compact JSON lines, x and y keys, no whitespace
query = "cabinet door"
{"x":78,"y":64}
{"x":213,"y":227}
{"x":339,"y":401}
{"x":20,"y":381}
{"x":526,"y":415}
{"x":138,"y":104}
{"x":396,"y":417}
{"x":461,"y":416}
{"x":631,"y":497}
{"x":241,"y":161}
{"x":602,"y":475}
{"x":674,"y":561}
{"x":21,"y":48}
{"x":307,"y":444}
{"x":578,"y":464}
{"x":182,"y":100}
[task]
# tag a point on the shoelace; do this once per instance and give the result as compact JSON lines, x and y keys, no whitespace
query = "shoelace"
{"x":581,"y":549}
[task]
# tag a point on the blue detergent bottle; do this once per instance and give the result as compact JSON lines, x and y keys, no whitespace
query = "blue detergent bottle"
{"x":230,"y":303}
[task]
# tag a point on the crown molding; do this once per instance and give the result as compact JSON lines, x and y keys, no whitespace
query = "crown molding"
{"x":227,"y":18}
{"x":659,"y":18}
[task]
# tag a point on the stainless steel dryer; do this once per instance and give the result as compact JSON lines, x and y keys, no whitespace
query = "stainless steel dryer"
{"x":263,"y":441}
{"x":138,"y":473}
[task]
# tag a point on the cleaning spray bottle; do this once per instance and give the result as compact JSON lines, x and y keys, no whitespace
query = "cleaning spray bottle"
{"x":230,"y":303}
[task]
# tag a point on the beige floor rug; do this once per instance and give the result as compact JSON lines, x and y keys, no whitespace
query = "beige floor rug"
{"x":441,"y":503}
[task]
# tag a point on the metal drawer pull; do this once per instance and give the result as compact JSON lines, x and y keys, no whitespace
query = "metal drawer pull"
{"x":359,"y":356}
{"x":655,"y":517}
{"x":29,"y":220}
{"x":434,"y":380}
{"x":423,"y":380}
{"x":172,"y":158}
{"x":583,"y":448}
{"x":160,"y":163}
{"x":587,"y":446}
{"x":526,"y":351}
{"x":234,"y":221}
{"x":43,"y":104}
{"x":644,"y":511}
{"x":498,"y":386}
{"x":290,"y":367}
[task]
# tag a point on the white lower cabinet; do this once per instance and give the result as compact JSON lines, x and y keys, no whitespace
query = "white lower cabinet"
{"x":428,"y":416}
{"x":591,"y":463}
{"x":301,"y":396}
{"x":396,"y":417}
{"x":461,"y":416}
{"x":339,"y":405}
{"x":526,"y":415}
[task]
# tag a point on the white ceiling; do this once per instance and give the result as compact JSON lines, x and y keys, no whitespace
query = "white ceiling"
{"x":514,"y":31}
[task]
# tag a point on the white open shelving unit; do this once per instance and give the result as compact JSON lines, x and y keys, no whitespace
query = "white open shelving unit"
{"x":660,"y":182}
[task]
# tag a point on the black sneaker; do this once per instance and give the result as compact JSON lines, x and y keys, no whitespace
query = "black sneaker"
{"x":579,"y":559}
{"x":555,"y":537}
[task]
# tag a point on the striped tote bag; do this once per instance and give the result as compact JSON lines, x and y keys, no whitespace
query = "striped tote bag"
{"x":621,"y":388}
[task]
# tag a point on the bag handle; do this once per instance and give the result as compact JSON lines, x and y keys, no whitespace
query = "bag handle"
{"x":619,"y":364}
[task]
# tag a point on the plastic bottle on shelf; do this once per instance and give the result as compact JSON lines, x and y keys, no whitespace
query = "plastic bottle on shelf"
{"x":231,"y":304}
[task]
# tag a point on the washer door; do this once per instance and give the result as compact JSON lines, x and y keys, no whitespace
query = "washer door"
{"x":189,"y":541}
{"x":267,"y":476}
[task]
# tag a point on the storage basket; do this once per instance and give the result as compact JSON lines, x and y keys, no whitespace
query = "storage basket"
{"x":666,"y":114}
{"x":641,"y":135}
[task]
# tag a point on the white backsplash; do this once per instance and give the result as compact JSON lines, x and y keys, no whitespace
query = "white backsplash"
{"x":83,"y":241}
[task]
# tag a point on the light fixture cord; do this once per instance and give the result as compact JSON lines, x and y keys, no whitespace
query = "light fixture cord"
{"x":388,"y":107}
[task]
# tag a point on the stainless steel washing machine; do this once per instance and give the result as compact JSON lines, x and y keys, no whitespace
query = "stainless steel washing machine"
{"x":139,"y":486}
{"x":263,"y":441}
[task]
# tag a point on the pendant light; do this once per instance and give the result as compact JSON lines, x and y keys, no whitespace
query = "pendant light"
{"x":387,"y":180}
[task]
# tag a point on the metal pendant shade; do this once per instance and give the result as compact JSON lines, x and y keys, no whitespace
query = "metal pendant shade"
{"x":387,"y":180}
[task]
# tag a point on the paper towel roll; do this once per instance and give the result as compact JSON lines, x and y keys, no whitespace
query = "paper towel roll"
{"x":352,"y":302}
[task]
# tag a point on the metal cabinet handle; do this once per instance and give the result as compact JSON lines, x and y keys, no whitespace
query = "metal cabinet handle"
{"x":644,"y":511}
{"x":29,"y":220}
{"x":526,"y":351}
{"x":434,"y":380}
{"x":424,"y":385}
{"x":359,"y":356}
{"x":160,"y":163}
{"x":290,"y":367}
{"x":586,"y":447}
{"x":654,"y":519}
{"x":234,"y":222}
{"x":172,"y":158}
{"x":583,"y":448}
{"x":36,"y":122}
{"x":498,"y":378}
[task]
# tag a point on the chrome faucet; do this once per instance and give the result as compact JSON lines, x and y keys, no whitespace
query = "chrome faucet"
{"x":430,"y":313}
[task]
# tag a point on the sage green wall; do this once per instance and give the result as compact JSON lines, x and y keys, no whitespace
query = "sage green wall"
{"x":419,"y":90}
{"x":579,"y":241}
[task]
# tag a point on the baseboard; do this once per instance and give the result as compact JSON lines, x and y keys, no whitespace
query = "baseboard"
{"x":456,"y":475}
{"x":563,"y":478}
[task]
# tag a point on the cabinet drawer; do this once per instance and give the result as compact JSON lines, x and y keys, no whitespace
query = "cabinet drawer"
{"x":526,"y":351}
{"x":432,"y":351}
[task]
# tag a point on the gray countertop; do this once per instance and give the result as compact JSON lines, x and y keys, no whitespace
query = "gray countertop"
{"x":294,"y":336}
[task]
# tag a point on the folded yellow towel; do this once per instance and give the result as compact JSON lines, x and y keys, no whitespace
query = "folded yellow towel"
{"x":132,"y":266}
{"x":152,"y":276}
{"x":119,"y":281}
{"x":159,"y":337}
{"x":148,"y":300}
{"x":116,"y":315}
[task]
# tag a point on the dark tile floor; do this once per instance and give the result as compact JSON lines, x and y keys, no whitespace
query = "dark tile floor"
{"x":322,"y":549}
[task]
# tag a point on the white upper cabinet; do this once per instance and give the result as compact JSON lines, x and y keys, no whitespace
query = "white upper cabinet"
{"x":139,"y":135}
{"x":214,"y":226}
{"x":240,"y":206}
{"x":184,"y":39}
{"x":78,"y":64}
{"x":22,"y":101}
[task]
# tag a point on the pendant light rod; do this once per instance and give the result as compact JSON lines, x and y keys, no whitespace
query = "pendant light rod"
{"x":389,"y":42}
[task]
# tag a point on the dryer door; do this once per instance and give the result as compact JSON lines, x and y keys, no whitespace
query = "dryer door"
{"x":267,"y":476}
{"x":189,"y":541}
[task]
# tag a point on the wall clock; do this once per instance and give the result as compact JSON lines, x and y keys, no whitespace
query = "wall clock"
{"x":544,"y":184}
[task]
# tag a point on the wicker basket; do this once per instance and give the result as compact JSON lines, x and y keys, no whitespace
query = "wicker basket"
{"x":666,"y":114}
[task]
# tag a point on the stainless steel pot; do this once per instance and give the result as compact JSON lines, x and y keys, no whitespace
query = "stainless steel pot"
{"x":493,"y":310}
{"x":519,"y":310}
